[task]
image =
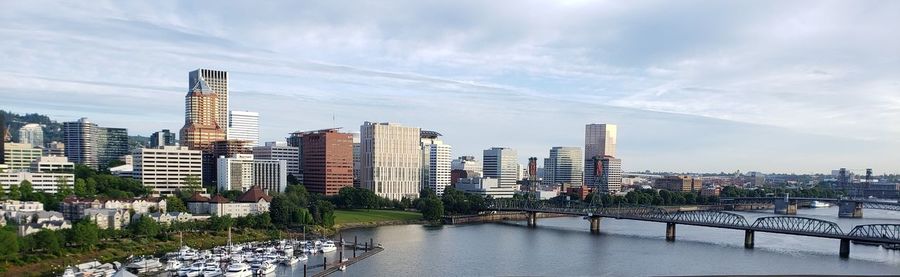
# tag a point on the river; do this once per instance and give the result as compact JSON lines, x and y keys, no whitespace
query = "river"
{"x":564,"y":246}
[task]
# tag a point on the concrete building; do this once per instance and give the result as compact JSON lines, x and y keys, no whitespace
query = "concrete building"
{"x":55,"y":148}
{"x":564,"y":167}
{"x":113,"y":219}
{"x":162,"y":138}
{"x":19,"y":156}
{"x":356,"y":159}
{"x":20,"y":206}
{"x":599,"y":141}
{"x":214,"y":81}
{"x":73,"y":208}
{"x":485,"y":186}
{"x":202,"y":115}
{"x":32,"y":134}
{"x":435,"y":162}
{"x":679,"y":183}
{"x":42,"y":182}
{"x":94,"y":146}
{"x":3,"y":140}
{"x":51,"y":164}
{"x":501,"y":163}
{"x":30,"y":222}
{"x":466,"y":163}
{"x":253,"y":201}
{"x":165,"y":169}
{"x":221,"y":148}
{"x":327,"y":159}
{"x":279,"y":151}
{"x":390,"y":160}
{"x":243,"y":125}
{"x":243,"y":172}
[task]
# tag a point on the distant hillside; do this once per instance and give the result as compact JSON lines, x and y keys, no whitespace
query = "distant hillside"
{"x":53,"y":130}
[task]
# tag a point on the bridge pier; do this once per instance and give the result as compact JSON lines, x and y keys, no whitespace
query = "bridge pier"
{"x":850,"y":209}
{"x":784,"y":206}
{"x":532,"y":219}
{"x":845,"y":248}
{"x":595,"y":224}
{"x":670,"y":231}
{"x":748,"y":239}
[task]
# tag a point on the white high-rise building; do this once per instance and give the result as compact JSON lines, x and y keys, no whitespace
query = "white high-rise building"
{"x":282,"y":152}
{"x":600,"y":142}
{"x":435,"y":162}
{"x":243,"y":171}
{"x":390,"y":160}
{"x":19,"y":156}
{"x":270,"y":175}
{"x":165,"y":169}
{"x":501,"y":163}
{"x":32,"y":134}
{"x":216,"y":81}
{"x":564,"y":167}
{"x":243,"y":125}
{"x":467,"y":163}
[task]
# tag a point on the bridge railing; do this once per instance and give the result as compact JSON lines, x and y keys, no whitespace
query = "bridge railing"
{"x":797,"y":224}
{"x":877,"y":231}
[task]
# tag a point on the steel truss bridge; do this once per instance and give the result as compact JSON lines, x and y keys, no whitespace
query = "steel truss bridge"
{"x":863,"y":203}
{"x":789,"y":225}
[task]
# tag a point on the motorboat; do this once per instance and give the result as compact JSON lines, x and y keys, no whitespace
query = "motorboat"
{"x":70,"y":272}
{"x":142,"y":265}
{"x":173,"y":265}
{"x":289,"y":260}
{"x":238,"y":270}
{"x":212,"y":271}
{"x":819,"y":204}
{"x":195,"y":267}
{"x":328,"y":246}
{"x":342,"y":268}
{"x":266,"y":268}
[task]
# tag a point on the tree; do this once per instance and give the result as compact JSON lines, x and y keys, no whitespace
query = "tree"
{"x":298,"y":194}
{"x":14,"y":192}
{"x":48,"y":240}
{"x":2,"y":192}
{"x":282,"y":209}
{"x":145,"y":226}
{"x":432,"y":209}
{"x":192,"y":183}
{"x":27,"y":190}
{"x":220,"y":223}
{"x":86,"y":234}
{"x":10,"y":249}
{"x":80,"y":188}
{"x":175,"y":204}
{"x":62,"y":182}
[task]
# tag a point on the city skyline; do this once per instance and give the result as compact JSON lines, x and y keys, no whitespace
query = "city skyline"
{"x":679,"y":108}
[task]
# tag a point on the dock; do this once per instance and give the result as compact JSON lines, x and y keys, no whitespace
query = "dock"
{"x":334,"y":267}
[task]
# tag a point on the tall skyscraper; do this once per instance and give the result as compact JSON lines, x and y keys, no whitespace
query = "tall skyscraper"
{"x":435,"y":162}
{"x":327,"y":161}
{"x":501,"y":163}
{"x":600,"y":142}
{"x":390,"y":159}
{"x":564,"y":167}
{"x":356,"y":159}
{"x":279,"y":151}
{"x":217,"y":82}
{"x":243,"y":125}
{"x":204,"y":120}
{"x":32,"y":134}
{"x":2,"y":135}
{"x":94,"y":146}
{"x":162,"y":138}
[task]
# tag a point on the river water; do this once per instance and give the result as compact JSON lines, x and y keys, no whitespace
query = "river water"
{"x":564,"y":246}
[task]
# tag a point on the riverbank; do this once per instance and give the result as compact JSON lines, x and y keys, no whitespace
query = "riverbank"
{"x":121,"y":249}
{"x":351,"y":219}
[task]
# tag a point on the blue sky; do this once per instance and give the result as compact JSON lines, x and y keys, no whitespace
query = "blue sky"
{"x":773,"y":86}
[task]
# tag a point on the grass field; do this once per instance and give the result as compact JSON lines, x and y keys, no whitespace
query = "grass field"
{"x":372,"y":216}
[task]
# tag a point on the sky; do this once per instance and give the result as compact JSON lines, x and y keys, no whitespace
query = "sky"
{"x":694,"y":86}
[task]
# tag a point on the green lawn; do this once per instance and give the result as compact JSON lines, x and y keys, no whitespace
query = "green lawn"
{"x":372,"y":216}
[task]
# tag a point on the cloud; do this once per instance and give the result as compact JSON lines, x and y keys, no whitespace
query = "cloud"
{"x":525,"y":74}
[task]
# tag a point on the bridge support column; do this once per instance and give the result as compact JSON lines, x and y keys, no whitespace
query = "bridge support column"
{"x":748,"y":239}
{"x":532,"y":218}
{"x":845,"y":248}
{"x":595,"y":224}
{"x":850,"y":209}
{"x":670,"y":231}
{"x":785,"y":207}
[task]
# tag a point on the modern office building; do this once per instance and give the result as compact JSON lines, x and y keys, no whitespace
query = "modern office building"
{"x":435,"y":162}
{"x":2,"y":138}
{"x":501,"y":163}
{"x":356,"y":159}
{"x":327,"y":159}
{"x":94,"y":146}
{"x":221,"y":148}
{"x":40,"y":181}
{"x":279,"y":151}
{"x":600,"y":142}
{"x":390,"y":159}
{"x":295,"y":139}
{"x":32,"y":134}
{"x":564,"y":167}
{"x":242,"y":172}
{"x":607,"y":171}
{"x":201,"y":117}
{"x":213,"y":81}
{"x":244,"y":125}
{"x":165,"y":169}
{"x":19,"y":156}
{"x":52,"y":164}
{"x":468,"y":163}
{"x":162,"y":138}
{"x":485,"y":186}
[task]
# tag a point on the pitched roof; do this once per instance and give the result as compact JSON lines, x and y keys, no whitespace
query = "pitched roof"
{"x":253,"y":195}
{"x":196,"y":197}
{"x":218,"y":199}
